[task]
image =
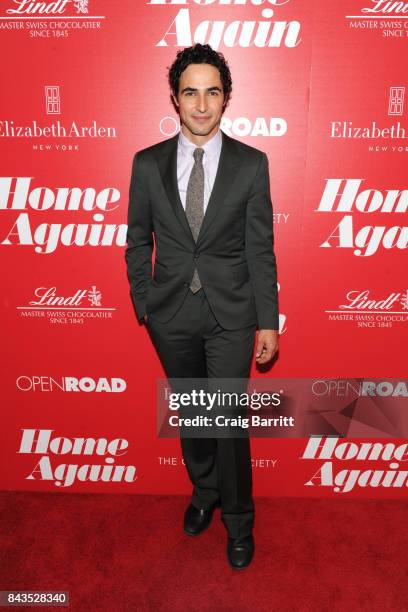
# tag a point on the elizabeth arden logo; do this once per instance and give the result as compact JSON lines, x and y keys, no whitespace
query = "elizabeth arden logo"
{"x":77,"y":308}
{"x":396,"y":101}
{"x":187,"y":27}
{"x":52,"y":100}
{"x":52,"y":19}
{"x":45,"y":133}
{"x":376,"y":135}
{"x":365,"y":310}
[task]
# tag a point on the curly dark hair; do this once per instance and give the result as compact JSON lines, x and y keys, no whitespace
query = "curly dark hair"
{"x":200,"y":54}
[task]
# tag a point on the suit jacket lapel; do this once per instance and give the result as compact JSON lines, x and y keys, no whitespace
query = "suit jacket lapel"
{"x":226,"y":172}
{"x":167,"y":163}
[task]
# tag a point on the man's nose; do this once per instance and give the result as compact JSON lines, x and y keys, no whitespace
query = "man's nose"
{"x":202,"y":102}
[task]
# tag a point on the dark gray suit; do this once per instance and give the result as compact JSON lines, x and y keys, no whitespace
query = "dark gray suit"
{"x":209,"y":334}
{"x":234,"y":251}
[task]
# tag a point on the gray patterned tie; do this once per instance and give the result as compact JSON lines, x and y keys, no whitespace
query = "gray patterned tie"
{"x":195,"y":204}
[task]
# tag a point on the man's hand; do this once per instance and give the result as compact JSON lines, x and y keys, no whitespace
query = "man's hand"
{"x":267,"y":345}
{"x":145,"y":317}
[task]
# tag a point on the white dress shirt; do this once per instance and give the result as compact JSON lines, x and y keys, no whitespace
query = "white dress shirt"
{"x":185,"y":163}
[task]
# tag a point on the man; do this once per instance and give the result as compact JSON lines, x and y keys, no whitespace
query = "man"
{"x":205,"y":198}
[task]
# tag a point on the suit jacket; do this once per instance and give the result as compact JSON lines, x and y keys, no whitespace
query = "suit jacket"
{"x":234,"y":252}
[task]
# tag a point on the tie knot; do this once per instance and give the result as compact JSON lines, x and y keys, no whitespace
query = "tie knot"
{"x":198,"y":154}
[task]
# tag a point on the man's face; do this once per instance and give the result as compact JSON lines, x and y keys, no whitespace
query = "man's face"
{"x":200,"y":101}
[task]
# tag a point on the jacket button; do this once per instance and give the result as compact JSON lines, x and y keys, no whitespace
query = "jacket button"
{"x":196,"y":255}
{"x":186,"y":284}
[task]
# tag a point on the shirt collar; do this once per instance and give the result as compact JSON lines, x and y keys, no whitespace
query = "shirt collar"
{"x":212,"y":147}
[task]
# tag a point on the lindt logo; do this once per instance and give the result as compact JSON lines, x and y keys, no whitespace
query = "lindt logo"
{"x":384,"y":7}
{"x":30,"y":7}
{"x":360,"y":300}
{"x":48,"y":297}
{"x":75,"y":307}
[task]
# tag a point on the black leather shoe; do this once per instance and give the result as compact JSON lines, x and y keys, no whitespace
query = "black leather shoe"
{"x":196,"y":520}
{"x":240,"y":551}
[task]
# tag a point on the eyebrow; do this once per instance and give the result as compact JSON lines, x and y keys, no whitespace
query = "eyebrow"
{"x":215,"y":88}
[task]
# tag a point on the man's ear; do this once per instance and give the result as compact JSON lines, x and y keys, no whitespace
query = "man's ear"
{"x":174,"y":99}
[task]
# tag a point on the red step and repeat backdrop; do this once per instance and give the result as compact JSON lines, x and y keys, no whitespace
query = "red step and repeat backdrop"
{"x":318,"y":86}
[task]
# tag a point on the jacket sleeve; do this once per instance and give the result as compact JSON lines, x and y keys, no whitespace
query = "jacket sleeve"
{"x":259,"y":243}
{"x":139,"y":238}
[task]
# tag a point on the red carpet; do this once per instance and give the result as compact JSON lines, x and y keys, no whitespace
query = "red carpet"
{"x":128,"y":552}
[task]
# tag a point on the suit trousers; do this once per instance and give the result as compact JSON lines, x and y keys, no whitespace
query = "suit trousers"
{"x":193,"y":345}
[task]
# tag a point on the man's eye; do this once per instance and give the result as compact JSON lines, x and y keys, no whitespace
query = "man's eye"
{"x":214,"y":93}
